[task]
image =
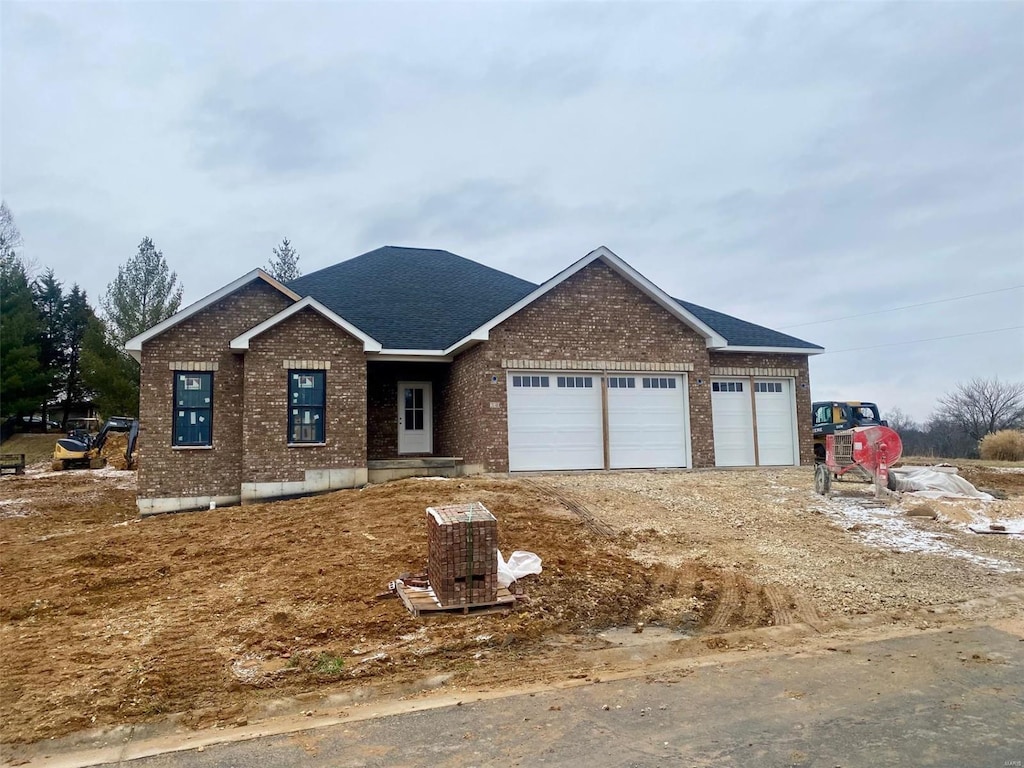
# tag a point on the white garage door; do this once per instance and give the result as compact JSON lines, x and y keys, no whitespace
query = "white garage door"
{"x":646,"y":421}
{"x":554,"y":422}
{"x":733,"y":421}
{"x":776,"y":445}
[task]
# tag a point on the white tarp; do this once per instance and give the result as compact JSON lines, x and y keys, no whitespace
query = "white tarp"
{"x":519,"y":564}
{"x":930,"y":484}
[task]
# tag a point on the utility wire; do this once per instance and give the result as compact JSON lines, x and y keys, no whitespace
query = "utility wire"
{"x":908,"y":306}
{"x":919,"y":341}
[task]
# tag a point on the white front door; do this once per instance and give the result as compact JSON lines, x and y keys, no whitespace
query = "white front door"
{"x":415,"y":418}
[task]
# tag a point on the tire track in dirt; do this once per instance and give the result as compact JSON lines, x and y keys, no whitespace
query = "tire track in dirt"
{"x":729,"y":602}
{"x":781,"y":605}
{"x":807,"y":613}
{"x":576,"y":507}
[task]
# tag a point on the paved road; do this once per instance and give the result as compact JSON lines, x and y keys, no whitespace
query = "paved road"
{"x":933,"y":699}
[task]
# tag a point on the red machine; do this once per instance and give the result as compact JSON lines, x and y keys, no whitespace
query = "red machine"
{"x":865,"y":452}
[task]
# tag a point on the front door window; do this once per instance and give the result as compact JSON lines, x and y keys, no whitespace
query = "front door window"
{"x":415,"y":431}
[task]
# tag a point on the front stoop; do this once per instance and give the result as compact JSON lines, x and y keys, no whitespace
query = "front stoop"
{"x":381,"y":471}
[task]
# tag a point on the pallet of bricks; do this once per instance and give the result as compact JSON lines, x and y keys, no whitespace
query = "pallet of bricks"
{"x":462,"y":554}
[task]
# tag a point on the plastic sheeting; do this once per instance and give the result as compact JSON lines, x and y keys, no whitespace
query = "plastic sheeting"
{"x":519,"y":564}
{"x":930,"y":484}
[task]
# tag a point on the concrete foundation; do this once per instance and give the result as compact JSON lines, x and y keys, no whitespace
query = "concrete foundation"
{"x":399,"y":469}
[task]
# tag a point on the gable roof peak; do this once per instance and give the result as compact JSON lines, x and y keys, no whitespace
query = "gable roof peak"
{"x":134,"y":345}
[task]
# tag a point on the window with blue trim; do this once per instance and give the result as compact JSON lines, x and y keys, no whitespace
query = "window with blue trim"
{"x":306,"y":396}
{"x":193,"y":408}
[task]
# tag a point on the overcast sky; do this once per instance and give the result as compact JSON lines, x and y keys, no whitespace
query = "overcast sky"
{"x":788,"y":164}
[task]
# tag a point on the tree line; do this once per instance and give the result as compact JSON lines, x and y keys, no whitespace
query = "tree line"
{"x":962,"y":418}
{"x":57,"y":350}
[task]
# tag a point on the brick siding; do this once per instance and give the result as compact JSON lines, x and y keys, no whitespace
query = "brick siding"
{"x":165,"y":471}
{"x":382,"y":404}
{"x":267,"y":457}
{"x":795,"y":366}
{"x":593,"y":315}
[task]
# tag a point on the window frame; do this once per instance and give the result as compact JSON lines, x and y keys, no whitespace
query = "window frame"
{"x":659,"y":382}
{"x":574,"y":382}
{"x":182,"y":411}
{"x":320,"y":424}
{"x":530,"y":381}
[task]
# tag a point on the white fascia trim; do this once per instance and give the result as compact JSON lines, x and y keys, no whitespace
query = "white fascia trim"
{"x":713,"y":339}
{"x":775,"y":350}
{"x":241,"y":343}
{"x":134,"y":345}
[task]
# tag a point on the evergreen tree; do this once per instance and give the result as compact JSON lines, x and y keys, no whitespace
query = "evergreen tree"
{"x":48,"y":294}
{"x":23,"y":382}
{"x":284,"y":264}
{"x":108,"y":373}
{"x":77,"y":315}
{"x":144,"y":292}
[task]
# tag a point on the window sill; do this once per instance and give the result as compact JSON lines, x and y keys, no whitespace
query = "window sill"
{"x":306,"y":445}
{"x":191,"y":447}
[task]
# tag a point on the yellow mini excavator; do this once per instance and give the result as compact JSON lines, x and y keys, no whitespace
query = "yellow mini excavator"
{"x":81,"y":450}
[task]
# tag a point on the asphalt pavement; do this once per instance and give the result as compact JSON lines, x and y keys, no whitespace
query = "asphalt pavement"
{"x":950,"y":698}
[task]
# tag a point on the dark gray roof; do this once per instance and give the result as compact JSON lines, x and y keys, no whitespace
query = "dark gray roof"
{"x":413,"y":298}
{"x":740,"y":333}
{"x":420,"y":298}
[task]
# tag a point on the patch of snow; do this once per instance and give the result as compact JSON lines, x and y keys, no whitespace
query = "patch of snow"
{"x":888,"y":528}
{"x":431,"y":478}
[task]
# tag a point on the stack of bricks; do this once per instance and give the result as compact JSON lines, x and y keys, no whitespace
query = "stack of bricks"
{"x":462,"y":554}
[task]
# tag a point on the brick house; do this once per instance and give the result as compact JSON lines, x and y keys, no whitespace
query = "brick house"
{"x":410,"y":361}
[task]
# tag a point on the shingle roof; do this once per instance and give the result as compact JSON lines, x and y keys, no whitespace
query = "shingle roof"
{"x":740,"y":333}
{"x":413,"y":298}
{"x":420,"y":298}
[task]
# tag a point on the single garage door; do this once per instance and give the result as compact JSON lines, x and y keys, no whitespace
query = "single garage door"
{"x":554,"y":422}
{"x":646,"y":421}
{"x":776,"y":444}
{"x":733,"y":420}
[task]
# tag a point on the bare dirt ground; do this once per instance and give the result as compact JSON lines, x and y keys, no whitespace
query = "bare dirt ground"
{"x":107,"y":619}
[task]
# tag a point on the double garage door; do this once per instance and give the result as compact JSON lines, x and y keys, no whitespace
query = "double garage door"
{"x":557,"y":421}
{"x":753,"y":428}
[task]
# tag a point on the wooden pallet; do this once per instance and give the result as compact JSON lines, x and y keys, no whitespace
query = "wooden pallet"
{"x":12,"y":462}
{"x":423,"y":600}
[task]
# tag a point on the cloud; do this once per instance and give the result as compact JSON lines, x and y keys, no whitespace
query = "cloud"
{"x":474,"y":209}
{"x":781,"y":162}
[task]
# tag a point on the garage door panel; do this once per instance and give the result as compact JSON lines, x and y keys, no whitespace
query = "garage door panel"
{"x":775,"y":442}
{"x":733,"y":420}
{"x":552,"y":426}
{"x":646,"y":425}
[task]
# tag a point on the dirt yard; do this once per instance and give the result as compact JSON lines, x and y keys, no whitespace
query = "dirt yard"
{"x":109,"y":619}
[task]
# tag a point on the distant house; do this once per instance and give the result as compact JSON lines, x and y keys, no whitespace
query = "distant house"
{"x":407,"y":360}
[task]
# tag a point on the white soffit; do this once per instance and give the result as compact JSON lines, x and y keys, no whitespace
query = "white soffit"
{"x":241,"y":343}
{"x":134,"y":345}
{"x":776,"y":350}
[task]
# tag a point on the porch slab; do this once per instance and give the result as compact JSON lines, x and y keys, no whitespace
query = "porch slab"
{"x":383,"y":470}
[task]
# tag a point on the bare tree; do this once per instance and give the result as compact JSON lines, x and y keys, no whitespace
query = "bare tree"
{"x":901,"y":421}
{"x":981,"y":406}
{"x":10,"y":236}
